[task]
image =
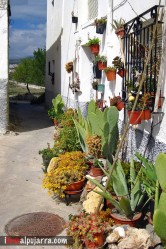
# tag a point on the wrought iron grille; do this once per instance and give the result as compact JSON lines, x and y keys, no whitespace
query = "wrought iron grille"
{"x":136,"y":41}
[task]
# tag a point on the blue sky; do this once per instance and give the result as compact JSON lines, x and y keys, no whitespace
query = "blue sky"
{"x":27,"y":27}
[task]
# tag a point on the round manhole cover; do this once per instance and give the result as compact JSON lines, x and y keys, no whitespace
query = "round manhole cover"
{"x":35,"y":224}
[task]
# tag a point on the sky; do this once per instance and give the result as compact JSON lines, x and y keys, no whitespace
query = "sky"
{"x":27,"y":27}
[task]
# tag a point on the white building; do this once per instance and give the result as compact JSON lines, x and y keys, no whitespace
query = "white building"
{"x":4,"y":45}
{"x":66,"y":42}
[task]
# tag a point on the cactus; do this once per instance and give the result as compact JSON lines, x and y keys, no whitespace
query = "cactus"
{"x":94,"y":145}
{"x":159,"y":217}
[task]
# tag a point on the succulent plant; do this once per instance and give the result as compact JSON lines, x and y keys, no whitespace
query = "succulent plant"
{"x":94,"y":145}
{"x":69,"y":67}
{"x":115,"y":100}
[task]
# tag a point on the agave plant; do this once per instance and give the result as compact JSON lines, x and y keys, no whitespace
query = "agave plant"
{"x":130,"y":195}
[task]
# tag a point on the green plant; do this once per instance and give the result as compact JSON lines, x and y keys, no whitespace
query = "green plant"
{"x":95,"y":85}
{"x":148,"y":176}
{"x":48,"y":153}
{"x":129,"y":193}
{"x":159,"y":217}
{"x":108,"y":69}
{"x":101,"y":21}
{"x":118,"y":63}
{"x":101,"y":58}
{"x":103,"y":124}
{"x":118,"y":24}
{"x":71,"y":167}
{"x":97,"y":163}
{"x":93,"y":41}
{"x":56,"y":110}
{"x":86,"y":226}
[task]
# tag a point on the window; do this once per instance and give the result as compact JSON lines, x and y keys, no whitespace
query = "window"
{"x":137,"y":40}
{"x":92,"y":9}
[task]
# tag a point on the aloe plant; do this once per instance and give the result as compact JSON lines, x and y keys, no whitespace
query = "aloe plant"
{"x":129,"y":193}
{"x":159,"y":217}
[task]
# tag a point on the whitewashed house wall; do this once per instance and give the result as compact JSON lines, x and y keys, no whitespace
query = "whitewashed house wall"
{"x":66,"y":42}
{"x":3,"y":66}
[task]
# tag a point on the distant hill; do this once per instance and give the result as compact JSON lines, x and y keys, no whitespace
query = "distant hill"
{"x":17,"y":61}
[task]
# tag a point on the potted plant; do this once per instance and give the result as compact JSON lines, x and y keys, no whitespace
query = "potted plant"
{"x":88,"y":229}
{"x":71,"y":169}
{"x":94,"y":145}
{"x":94,"y":45}
{"x":136,"y":114}
{"x":117,"y":101}
{"x":101,"y":62}
{"x":47,"y":154}
{"x":129,"y":193}
{"x":100,"y":25}
{"x":96,"y":167}
{"x":119,"y":65}
{"x":118,"y":25}
{"x":110,"y":73}
{"x":69,"y":67}
{"x":74,"y":18}
{"x":145,"y":107}
{"x":57,"y":109}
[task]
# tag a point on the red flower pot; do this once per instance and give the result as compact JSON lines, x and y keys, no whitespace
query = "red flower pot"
{"x":102,"y":65}
{"x":119,"y":219}
{"x":75,"y":186}
{"x":94,"y":49}
{"x":122,"y":73}
{"x":120,"y":105}
{"x":97,"y":242}
{"x":146,"y":114}
{"x":120,"y":32}
{"x":111,"y":75}
{"x":96,"y":171}
{"x":136,"y":117}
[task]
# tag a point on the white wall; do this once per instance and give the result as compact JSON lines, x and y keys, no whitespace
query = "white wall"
{"x":4,"y":68}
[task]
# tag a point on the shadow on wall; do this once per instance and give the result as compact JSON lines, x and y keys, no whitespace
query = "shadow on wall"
{"x":53,"y":64}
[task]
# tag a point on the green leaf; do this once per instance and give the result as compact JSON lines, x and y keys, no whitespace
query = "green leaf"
{"x":125,"y":206}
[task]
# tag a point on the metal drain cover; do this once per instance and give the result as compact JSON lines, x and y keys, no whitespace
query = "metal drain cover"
{"x":35,"y":224}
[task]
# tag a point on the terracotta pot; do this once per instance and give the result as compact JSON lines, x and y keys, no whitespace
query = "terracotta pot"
{"x":120,"y":32}
{"x":102,"y":65}
{"x":119,"y":219}
{"x":96,"y":171}
{"x":94,"y":49}
{"x":136,"y":117}
{"x":146,"y":114}
{"x":120,"y":106}
{"x":122,"y":73}
{"x":98,"y":241}
{"x":55,"y":122}
{"x":111,"y":75}
{"x":75,"y":186}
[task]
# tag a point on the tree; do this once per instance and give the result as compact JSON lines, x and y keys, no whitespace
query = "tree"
{"x":32,"y":70}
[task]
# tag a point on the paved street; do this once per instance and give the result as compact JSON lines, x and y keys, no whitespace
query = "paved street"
{"x":20,"y":167}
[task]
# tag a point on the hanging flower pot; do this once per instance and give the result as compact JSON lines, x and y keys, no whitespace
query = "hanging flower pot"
{"x":102,"y":65}
{"x":100,"y":87}
{"x":100,"y":27}
{"x":120,"y":32}
{"x":74,"y":19}
{"x":94,"y":48}
{"x":96,"y":72}
{"x":136,"y":117}
{"x":122,"y":73}
{"x":146,"y":115}
{"x":120,"y":105}
{"x":110,"y":73}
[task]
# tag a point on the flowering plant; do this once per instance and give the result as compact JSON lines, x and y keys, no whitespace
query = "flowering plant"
{"x":71,"y":167}
{"x":85,"y":226}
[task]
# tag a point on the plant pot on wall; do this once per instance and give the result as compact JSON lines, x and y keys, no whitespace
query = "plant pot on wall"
{"x":122,"y":73}
{"x":95,"y":48}
{"x":100,"y":27}
{"x":146,"y":115}
{"x":136,"y":117}
{"x":120,"y":105}
{"x":120,"y":32}
{"x":101,"y":87}
{"x":74,"y":19}
{"x":96,"y":72}
{"x":111,"y":75}
{"x":102,"y":65}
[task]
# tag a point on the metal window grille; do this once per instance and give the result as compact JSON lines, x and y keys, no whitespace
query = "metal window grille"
{"x":92,"y":9}
{"x":137,"y":40}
